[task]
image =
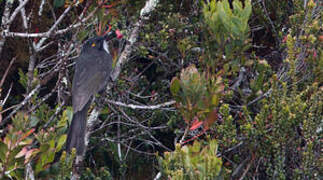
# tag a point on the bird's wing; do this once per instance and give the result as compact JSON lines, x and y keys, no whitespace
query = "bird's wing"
{"x":91,"y":74}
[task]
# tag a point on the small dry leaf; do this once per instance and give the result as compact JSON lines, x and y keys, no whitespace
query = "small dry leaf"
{"x":22,"y":152}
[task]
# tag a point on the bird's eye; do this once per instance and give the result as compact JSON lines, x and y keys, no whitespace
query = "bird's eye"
{"x":93,"y":45}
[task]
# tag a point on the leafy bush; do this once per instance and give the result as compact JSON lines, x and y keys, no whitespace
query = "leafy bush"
{"x":197,"y":161}
{"x":226,"y":35}
{"x":275,"y":132}
{"x":27,"y":144}
{"x":24,"y":146}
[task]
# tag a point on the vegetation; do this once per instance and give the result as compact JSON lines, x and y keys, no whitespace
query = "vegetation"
{"x":213,"y":89}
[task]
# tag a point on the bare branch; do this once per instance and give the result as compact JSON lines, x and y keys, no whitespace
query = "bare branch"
{"x":19,"y":106}
{"x":6,"y":72}
{"x":29,"y":172}
{"x":23,"y":15}
{"x":4,"y":23}
{"x":149,"y":107}
{"x":19,"y":8}
{"x":50,"y":31}
{"x":44,"y":35}
{"x":41,"y":8}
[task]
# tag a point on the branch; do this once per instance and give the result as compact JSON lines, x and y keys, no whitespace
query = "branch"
{"x":29,"y":172}
{"x":41,"y":8}
{"x":158,"y":176}
{"x":4,"y":23}
{"x":44,"y":35}
{"x":3,"y":102}
{"x":23,"y":16}
{"x":14,"y":14}
{"x":149,"y":7}
{"x":24,"y":102}
{"x":50,"y":31}
{"x":149,"y":107}
{"x":6,"y":72}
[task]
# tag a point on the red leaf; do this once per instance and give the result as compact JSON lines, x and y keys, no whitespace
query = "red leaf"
{"x":26,"y":134}
{"x":193,"y":138}
{"x":107,"y":6}
{"x":314,"y":54}
{"x":196,"y":124}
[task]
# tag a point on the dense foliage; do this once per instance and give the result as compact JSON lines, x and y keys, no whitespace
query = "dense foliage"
{"x":213,"y":89}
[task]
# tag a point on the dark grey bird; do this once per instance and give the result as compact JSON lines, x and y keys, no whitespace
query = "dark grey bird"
{"x":92,"y":73}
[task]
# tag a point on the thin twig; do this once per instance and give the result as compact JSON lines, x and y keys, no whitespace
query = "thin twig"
{"x":148,"y":107}
{"x":20,"y":105}
{"x":3,"y":102}
{"x":6,"y":72}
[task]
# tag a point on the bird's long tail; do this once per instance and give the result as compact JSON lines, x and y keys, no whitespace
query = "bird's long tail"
{"x":76,"y":132}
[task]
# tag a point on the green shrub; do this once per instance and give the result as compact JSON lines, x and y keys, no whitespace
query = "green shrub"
{"x":197,"y":161}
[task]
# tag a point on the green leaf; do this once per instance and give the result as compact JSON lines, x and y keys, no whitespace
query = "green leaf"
{"x":236,"y":27}
{"x":100,"y":14}
{"x":212,"y":5}
{"x":82,"y":35}
{"x":215,"y":99}
{"x":52,"y":144}
{"x":50,"y":156}
{"x":237,"y":6}
{"x":69,"y":113}
{"x":39,"y":166}
{"x":43,"y":159}
{"x":226,"y":8}
{"x":44,"y":147}
{"x":196,"y":147}
{"x":245,"y":14}
{"x":175,"y":86}
{"x":59,"y":3}
{"x":3,"y":151}
{"x":67,"y":117}
{"x":33,"y":121}
{"x":60,"y":142}
{"x":22,"y":78}
{"x":225,"y":19}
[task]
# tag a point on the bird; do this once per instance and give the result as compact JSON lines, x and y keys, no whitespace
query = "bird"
{"x":92,"y":73}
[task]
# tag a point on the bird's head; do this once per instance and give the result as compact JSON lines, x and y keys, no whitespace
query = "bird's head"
{"x":101,"y":42}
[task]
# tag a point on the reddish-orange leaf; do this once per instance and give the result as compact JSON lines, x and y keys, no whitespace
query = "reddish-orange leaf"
{"x":321,"y":38}
{"x":193,"y":138}
{"x":314,"y":54}
{"x":196,"y":124}
{"x":107,"y":6}
{"x":108,"y":30}
{"x":26,"y":134}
